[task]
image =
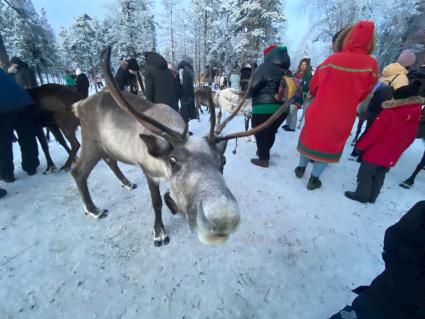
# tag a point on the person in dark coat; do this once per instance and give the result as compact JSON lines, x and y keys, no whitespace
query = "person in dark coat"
{"x":264,"y":87}
{"x":22,"y":73}
{"x":399,"y":291}
{"x":82,"y":83}
{"x":385,"y":141}
{"x":245,"y":76}
{"x":16,"y":113}
{"x":185,"y":76}
{"x":160,"y":84}
{"x":126,"y":76}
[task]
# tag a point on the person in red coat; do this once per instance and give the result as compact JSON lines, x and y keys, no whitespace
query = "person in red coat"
{"x":385,"y":141}
{"x":339,"y":84}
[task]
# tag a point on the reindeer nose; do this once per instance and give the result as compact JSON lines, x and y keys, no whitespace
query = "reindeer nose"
{"x":220,"y":215}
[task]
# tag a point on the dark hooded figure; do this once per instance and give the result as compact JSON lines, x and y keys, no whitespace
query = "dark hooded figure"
{"x":399,"y":291}
{"x":264,"y":87}
{"x":245,"y":76}
{"x":160,"y":84}
{"x":82,"y":83}
{"x":22,"y":73}
{"x":16,"y":114}
{"x":185,"y":77}
{"x":126,"y":76}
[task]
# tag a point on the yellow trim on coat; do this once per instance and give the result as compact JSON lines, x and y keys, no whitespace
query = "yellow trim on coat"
{"x":342,"y":68}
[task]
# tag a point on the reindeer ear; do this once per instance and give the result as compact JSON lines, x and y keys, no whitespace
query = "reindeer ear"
{"x":157,"y":147}
{"x":221,"y":146}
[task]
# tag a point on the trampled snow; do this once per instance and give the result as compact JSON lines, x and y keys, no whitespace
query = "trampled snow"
{"x":297,"y":254}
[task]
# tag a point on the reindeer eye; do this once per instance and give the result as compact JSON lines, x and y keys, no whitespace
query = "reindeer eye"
{"x":173,"y":161}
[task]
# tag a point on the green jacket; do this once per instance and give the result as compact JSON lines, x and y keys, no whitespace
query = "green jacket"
{"x":70,"y":80}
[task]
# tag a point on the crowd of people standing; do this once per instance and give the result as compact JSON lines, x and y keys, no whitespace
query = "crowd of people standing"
{"x":340,"y":85}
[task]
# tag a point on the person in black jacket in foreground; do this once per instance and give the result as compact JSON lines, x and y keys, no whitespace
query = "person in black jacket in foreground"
{"x":399,"y":291}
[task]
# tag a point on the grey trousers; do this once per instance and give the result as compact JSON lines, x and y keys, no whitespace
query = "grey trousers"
{"x":370,"y":180}
{"x":291,"y":120}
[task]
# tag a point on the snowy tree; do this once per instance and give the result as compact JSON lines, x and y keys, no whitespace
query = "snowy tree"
{"x":28,"y":35}
{"x":133,"y":28}
{"x":80,"y":44}
{"x":256,"y":24}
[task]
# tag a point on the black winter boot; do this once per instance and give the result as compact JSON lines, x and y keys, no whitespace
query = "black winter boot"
{"x":313,"y":183}
{"x":259,"y":162}
{"x":354,"y":196}
{"x":3,"y":192}
{"x":299,"y":171}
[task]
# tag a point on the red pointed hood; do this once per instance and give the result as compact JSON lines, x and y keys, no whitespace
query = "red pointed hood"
{"x":360,"y":39}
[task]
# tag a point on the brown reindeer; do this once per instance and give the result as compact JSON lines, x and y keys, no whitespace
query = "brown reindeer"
{"x":54,"y":111}
{"x":204,"y":96}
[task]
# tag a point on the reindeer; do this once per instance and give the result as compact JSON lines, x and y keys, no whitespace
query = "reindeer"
{"x":123,"y":127}
{"x":226,"y":100}
{"x":54,"y":111}
{"x":204,"y":96}
{"x":116,"y":126}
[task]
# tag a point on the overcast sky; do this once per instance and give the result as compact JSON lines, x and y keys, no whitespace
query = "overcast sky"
{"x":63,"y":12}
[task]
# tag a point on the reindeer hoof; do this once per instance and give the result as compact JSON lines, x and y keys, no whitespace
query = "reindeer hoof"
{"x":65,"y":168}
{"x":129,"y":187}
{"x":406,"y":185}
{"x":161,"y":239}
{"x":97,"y":213}
{"x":50,"y":169}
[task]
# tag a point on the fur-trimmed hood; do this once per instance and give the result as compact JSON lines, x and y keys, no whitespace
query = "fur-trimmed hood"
{"x":357,"y":38}
{"x":403,"y":102}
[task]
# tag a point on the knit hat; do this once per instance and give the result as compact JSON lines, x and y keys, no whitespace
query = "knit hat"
{"x":133,"y":65}
{"x":269,"y":49}
{"x":407,"y":58}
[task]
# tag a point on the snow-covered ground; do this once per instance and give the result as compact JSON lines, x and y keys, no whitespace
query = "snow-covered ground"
{"x":297,"y":254}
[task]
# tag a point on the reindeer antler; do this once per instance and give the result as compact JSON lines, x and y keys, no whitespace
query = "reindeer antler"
{"x":152,"y":124}
{"x":258,"y":128}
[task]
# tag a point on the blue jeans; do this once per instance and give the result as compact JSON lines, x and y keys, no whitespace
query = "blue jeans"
{"x":318,"y":167}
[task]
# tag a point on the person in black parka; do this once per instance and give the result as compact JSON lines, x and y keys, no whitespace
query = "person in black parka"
{"x":82,"y":83}
{"x":126,"y":76}
{"x":185,"y":76}
{"x":16,"y":114}
{"x":264,"y":88}
{"x":399,"y":291}
{"x":160,"y":84}
{"x":245,"y":74}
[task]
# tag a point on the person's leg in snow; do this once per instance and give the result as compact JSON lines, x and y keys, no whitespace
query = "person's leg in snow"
{"x":3,"y":192}
{"x":25,"y":126}
{"x":263,"y":141}
{"x":300,"y":169}
{"x":6,"y":149}
{"x":365,"y":183}
{"x":378,"y":182}
{"x":314,"y":181}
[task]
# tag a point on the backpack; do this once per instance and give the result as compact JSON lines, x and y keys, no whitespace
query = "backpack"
{"x":381,"y":92}
{"x":289,"y":88}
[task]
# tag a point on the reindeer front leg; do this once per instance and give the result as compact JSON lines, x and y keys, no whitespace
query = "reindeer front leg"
{"x":160,"y":237}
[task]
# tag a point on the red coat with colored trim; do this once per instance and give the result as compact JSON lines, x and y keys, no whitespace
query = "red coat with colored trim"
{"x":391,"y":133}
{"x":340,"y":83}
